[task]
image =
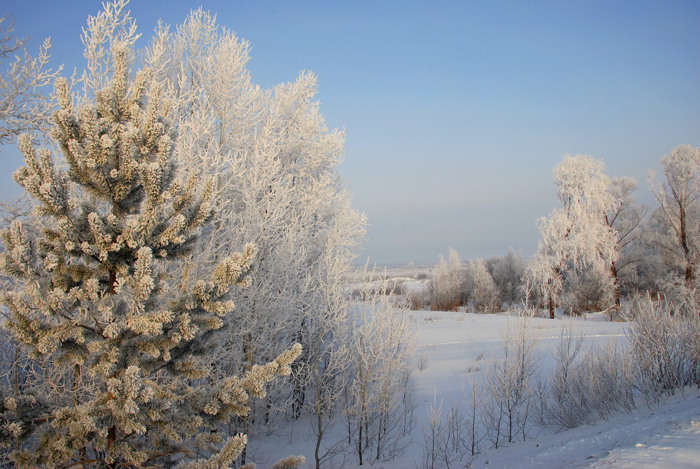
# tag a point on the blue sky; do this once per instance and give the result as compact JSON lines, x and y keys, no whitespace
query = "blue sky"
{"x":455,"y":113}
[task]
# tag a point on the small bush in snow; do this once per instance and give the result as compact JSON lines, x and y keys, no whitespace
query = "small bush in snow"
{"x":665,"y":342}
{"x":511,"y":383}
{"x":589,"y":385}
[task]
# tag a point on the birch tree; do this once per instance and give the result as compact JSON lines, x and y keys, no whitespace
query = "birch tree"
{"x":679,"y":209}
{"x":274,"y":163}
{"x":623,"y":218}
{"x":575,"y":235}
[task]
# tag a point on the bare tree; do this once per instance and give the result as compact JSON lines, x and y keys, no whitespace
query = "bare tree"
{"x":664,"y":339}
{"x":435,"y":437}
{"x":510,"y":382}
{"x":379,"y":392}
{"x":473,"y":417}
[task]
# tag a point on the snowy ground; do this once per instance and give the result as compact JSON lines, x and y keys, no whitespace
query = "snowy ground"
{"x":665,"y":438}
{"x":454,"y":346}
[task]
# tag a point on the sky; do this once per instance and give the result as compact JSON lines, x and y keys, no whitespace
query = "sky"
{"x":455,"y":112}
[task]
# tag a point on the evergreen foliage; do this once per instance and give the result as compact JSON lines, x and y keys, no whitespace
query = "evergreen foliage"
{"x":93,"y":299}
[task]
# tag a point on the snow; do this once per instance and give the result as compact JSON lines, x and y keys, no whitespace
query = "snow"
{"x":666,"y":437}
{"x":453,"y":346}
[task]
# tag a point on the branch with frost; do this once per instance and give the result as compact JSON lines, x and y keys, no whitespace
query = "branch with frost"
{"x":679,"y":207}
{"x":97,"y":300}
{"x":23,"y":105}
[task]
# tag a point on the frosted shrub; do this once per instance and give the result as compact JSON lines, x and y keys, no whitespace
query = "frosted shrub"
{"x":511,"y":384}
{"x":665,"y":341}
{"x":418,"y":299}
{"x":589,"y":385}
{"x":507,"y":272}
{"x":590,"y":290}
{"x":379,"y":395}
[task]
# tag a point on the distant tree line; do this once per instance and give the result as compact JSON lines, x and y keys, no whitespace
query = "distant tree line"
{"x":596,"y":249}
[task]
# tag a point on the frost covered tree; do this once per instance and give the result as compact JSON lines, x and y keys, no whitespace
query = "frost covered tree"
{"x":447,"y":284}
{"x":322,"y":375}
{"x":274,"y":164}
{"x":575,"y":236}
{"x":480,"y":288}
{"x":94,"y":300}
{"x":679,"y":209}
{"x":23,"y":106}
{"x":623,"y":218}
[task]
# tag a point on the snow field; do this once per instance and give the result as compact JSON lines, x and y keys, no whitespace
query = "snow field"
{"x":454,"y":347}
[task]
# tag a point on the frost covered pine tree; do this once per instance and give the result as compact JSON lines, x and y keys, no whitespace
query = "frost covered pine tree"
{"x":94,"y":302}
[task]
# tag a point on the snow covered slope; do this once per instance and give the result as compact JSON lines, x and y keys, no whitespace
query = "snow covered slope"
{"x":453,"y":347}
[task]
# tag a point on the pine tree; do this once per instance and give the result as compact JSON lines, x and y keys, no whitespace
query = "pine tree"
{"x":94,"y":301}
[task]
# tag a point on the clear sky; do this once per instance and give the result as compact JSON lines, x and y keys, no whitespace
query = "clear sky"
{"x":455,"y":112}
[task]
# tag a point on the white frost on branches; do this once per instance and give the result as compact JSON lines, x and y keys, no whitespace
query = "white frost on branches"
{"x":23,"y":106}
{"x":93,"y":303}
{"x":679,"y":211}
{"x":575,"y":236}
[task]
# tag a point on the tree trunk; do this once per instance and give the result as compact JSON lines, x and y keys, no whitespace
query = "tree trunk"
{"x":616,"y":284}
{"x":551,"y":308}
